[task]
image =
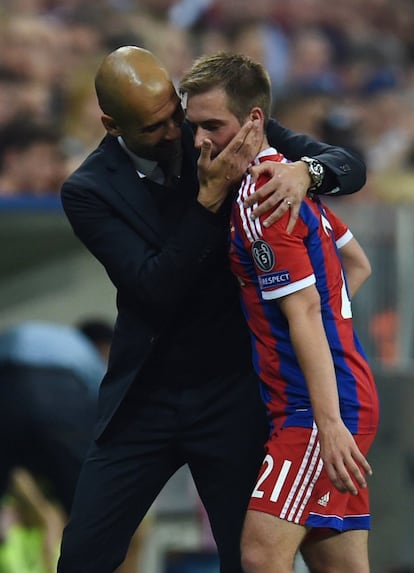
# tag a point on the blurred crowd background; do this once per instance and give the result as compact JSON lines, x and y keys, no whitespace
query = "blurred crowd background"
{"x":342,"y":71}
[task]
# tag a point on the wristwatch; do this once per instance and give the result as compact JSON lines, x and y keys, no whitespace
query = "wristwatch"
{"x":316,"y":172}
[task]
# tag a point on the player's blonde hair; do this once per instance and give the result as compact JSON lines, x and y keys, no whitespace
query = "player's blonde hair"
{"x":245,"y":82}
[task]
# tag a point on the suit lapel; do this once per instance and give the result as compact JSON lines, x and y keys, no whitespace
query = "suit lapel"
{"x":132,"y":190}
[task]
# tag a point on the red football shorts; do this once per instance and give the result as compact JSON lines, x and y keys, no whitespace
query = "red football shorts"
{"x":294,"y":485}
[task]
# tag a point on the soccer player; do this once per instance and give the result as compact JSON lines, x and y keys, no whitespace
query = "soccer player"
{"x":318,"y":388}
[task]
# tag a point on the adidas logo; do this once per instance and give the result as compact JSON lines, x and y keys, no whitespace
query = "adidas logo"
{"x":324,"y":500}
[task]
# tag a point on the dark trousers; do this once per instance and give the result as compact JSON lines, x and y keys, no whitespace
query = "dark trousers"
{"x":218,"y":429}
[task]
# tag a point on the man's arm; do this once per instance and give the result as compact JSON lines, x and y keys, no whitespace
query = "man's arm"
{"x":154,"y":275}
{"x":341,"y":456}
{"x":344,"y":173}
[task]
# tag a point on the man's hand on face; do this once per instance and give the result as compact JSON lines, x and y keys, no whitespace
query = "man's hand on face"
{"x":286,"y":189}
{"x":219,"y":174}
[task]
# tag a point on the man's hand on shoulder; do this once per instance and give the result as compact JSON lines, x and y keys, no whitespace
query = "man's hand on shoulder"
{"x":286,"y":189}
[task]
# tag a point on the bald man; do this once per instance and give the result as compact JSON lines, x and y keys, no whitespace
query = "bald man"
{"x":180,"y":388}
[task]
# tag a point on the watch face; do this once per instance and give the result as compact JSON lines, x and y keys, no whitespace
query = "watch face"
{"x":316,"y":171}
{"x":317,"y":167}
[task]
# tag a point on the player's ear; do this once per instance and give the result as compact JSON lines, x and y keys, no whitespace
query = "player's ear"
{"x":256,"y":114}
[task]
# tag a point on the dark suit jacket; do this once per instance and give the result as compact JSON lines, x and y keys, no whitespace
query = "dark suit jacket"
{"x":113,"y":213}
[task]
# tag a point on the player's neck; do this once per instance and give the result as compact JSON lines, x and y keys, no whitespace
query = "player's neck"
{"x":265,"y":144}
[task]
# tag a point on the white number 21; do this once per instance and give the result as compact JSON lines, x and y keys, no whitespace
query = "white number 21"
{"x":279,"y":482}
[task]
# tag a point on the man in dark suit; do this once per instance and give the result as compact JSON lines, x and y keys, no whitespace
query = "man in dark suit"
{"x":180,"y":388}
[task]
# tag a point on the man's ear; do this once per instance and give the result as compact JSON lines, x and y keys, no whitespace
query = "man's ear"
{"x":256,"y":113}
{"x":110,"y":125}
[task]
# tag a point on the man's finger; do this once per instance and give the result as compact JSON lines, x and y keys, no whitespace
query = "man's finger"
{"x":361,"y":469}
{"x":367,"y":468}
{"x":348,"y":484}
{"x":269,"y":188}
{"x":269,"y":168}
{"x":362,"y":461}
{"x":279,"y":212}
{"x":335,"y":477}
{"x":342,"y":480}
{"x":261,"y":207}
{"x":247,"y":140}
{"x":353,"y":469}
{"x":294,"y":215}
{"x":239,"y":139}
{"x":205,"y":153}
{"x":206,"y":147}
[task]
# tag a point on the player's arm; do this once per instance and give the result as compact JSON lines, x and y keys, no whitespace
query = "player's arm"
{"x":341,"y":456}
{"x":356,"y":265}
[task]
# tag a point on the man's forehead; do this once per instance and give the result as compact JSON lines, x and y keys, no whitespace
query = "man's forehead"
{"x":209,"y":103}
{"x":213,"y":94}
{"x":155,"y":106}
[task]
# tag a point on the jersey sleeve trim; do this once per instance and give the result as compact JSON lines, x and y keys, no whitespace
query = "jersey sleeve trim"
{"x":289,"y":289}
{"x":346,"y":237}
